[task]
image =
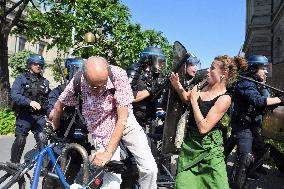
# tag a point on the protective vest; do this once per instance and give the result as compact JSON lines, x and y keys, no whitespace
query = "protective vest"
{"x":36,"y":89}
{"x":246,"y":115}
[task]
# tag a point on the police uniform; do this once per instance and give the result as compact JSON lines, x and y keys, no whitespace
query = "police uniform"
{"x":249,"y":103}
{"x":26,"y":88}
{"x":140,"y":79}
{"x":72,"y":65}
{"x":53,"y":96}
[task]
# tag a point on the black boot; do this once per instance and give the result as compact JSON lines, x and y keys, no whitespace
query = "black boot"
{"x":244,"y":161}
{"x":261,"y":170}
{"x":18,"y":148}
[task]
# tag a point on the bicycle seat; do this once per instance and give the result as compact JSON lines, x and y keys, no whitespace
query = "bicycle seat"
{"x":116,"y":167}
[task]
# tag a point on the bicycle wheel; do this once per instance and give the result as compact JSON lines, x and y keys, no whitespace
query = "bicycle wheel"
{"x":9,"y":176}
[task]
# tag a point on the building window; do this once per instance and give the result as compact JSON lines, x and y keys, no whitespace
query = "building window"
{"x":40,"y":48}
{"x":22,"y":43}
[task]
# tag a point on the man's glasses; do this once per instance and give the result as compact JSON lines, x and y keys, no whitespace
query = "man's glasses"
{"x":94,"y":86}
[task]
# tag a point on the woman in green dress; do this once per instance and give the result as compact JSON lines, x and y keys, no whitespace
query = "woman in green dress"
{"x":201,"y":162}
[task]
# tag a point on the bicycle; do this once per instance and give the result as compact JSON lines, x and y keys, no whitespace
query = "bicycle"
{"x":33,"y":159}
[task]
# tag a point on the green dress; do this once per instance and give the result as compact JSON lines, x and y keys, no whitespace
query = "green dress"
{"x":201,"y":162}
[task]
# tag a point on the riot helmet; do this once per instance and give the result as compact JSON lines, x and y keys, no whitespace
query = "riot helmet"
{"x":192,"y":59}
{"x":35,"y":59}
{"x":155,"y":58}
{"x":72,"y":66}
{"x":192,"y":64}
{"x":255,"y":62}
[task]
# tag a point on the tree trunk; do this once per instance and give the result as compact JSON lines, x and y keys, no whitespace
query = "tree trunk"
{"x":4,"y":71}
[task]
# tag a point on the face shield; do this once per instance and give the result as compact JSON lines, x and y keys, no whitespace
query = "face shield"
{"x":73,"y":69}
{"x":192,"y":60}
{"x":159,"y":64}
{"x":72,"y":66}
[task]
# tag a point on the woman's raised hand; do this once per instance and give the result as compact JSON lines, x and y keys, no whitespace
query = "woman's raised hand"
{"x":174,"y":78}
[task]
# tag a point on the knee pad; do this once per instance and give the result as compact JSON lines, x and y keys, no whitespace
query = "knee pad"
{"x":40,"y":137}
{"x":18,"y":148}
{"x":41,"y":140}
{"x":246,"y":159}
{"x":20,"y":140}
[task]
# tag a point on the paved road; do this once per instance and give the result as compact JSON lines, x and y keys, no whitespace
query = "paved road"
{"x":274,"y":179}
{"x":5,"y":145}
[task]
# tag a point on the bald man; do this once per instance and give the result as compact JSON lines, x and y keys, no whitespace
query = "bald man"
{"x":109,"y":119}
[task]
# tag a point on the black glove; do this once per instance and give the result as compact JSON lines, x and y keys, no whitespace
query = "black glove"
{"x":282,"y":100}
{"x":48,"y":129}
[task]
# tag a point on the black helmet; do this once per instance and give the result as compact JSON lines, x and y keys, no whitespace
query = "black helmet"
{"x":154,"y":57}
{"x":35,"y":58}
{"x":72,"y":66}
{"x":255,"y":62}
{"x":192,"y":59}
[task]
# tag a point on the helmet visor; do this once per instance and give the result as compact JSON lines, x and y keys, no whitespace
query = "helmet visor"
{"x":159,"y":64}
{"x":193,"y":60}
{"x":73,"y":69}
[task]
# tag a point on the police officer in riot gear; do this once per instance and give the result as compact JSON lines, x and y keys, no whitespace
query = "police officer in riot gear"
{"x":191,"y":65}
{"x":145,"y":78}
{"x":29,"y":95}
{"x":72,"y":66}
{"x":76,"y":134}
{"x":246,"y":120}
{"x":73,"y":132}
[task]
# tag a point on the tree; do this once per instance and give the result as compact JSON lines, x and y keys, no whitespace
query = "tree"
{"x":18,"y":62}
{"x":117,"y":38}
{"x":9,"y":18}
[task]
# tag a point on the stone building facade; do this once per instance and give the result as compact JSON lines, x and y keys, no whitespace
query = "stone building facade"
{"x":17,"y":43}
{"x":265,"y":35}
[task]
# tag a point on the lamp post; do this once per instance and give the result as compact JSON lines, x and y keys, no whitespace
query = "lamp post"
{"x":89,"y":37}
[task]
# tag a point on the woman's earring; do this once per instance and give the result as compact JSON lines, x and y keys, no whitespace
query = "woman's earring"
{"x":222,"y":77}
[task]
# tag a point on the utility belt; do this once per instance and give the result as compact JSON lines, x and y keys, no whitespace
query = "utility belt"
{"x":29,"y":109}
{"x":243,"y":120}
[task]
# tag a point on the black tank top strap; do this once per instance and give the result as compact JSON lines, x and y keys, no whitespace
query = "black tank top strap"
{"x":216,"y":98}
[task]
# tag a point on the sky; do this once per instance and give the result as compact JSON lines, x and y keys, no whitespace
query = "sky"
{"x":207,"y":28}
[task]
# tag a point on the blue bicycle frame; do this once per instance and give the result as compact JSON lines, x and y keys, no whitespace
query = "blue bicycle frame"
{"x":39,"y":159}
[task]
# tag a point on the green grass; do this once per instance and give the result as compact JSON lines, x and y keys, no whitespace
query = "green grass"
{"x":7,"y":121}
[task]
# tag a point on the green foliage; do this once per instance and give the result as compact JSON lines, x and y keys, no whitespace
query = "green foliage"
{"x":56,"y":70}
{"x":117,"y":39}
{"x":18,"y":62}
{"x":7,"y":121}
{"x":226,"y":120}
{"x":276,"y":144}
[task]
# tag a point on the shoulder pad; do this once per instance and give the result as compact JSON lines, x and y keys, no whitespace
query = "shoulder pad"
{"x":134,"y":69}
{"x":246,"y":84}
{"x":135,"y":66}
